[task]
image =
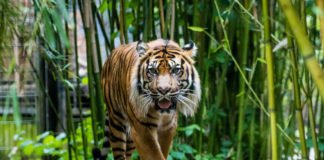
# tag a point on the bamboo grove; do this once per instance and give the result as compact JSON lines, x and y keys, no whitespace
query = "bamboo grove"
{"x":260,"y":63}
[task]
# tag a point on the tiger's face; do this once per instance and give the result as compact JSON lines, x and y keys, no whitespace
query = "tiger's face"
{"x":165,"y":78}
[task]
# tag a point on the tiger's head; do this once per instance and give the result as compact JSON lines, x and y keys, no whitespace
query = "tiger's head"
{"x":165,"y":78}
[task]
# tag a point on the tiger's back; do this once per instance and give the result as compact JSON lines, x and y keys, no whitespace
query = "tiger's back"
{"x":116,"y":76}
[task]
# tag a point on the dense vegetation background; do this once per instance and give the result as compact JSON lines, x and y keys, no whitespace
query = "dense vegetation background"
{"x":260,"y":74}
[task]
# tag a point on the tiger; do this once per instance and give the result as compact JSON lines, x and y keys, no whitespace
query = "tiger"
{"x":145,"y":85}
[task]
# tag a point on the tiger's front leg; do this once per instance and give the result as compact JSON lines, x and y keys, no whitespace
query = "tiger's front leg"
{"x":146,"y":142}
{"x":166,"y":132}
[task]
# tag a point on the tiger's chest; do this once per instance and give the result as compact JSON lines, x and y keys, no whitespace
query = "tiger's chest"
{"x":155,"y":119}
{"x":167,"y":121}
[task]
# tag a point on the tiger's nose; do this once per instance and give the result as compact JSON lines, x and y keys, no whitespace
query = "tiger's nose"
{"x":163,"y":90}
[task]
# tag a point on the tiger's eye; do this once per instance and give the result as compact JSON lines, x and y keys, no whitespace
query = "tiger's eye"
{"x":176,"y":71}
{"x":152,"y":71}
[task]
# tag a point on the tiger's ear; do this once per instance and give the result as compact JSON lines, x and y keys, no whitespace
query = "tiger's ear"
{"x":190,"y":49}
{"x":141,"y":48}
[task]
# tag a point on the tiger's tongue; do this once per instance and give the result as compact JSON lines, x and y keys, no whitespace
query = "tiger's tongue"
{"x":164,"y":104}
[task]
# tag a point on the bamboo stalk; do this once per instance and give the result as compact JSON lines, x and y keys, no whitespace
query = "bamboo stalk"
{"x":105,"y":35}
{"x":256,"y":125}
{"x":257,"y":99}
{"x":122,"y":29}
{"x":113,"y":20}
{"x":148,"y":20}
{"x":304,"y":44}
{"x":88,"y":32}
{"x":69,"y":116}
{"x":306,"y":48}
{"x":153,"y":36}
{"x":297,"y":99}
{"x":136,"y":13}
{"x":212,"y":146}
{"x":320,"y":5}
{"x":251,"y":136}
{"x":203,"y":53}
{"x":172,"y":19}
{"x":70,"y":127}
{"x":184,"y":15}
{"x":78,"y":91}
{"x":242,"y":88}
{"x":97,"y":63}
{"x":312,"y":120}
{"x":271,"y":96}
{"x":161,"y":18}
{"x":309,"y":92}
{"x":321,"y":126}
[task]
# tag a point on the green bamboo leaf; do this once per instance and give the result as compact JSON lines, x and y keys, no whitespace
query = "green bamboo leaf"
{"x":57,"y":143}
{"x":48,"y":140}
{"x":105,"y":5}
{"x":38,"y":149}
{"x":28,"y":150}
{"x":43,"y":135}
{"x":62,"y":9}
{"x":16,"y":107}
{"x":321,"y":146}
{"x":26,"y":143}
{"x":221,"y":56}
{"x":6,"y":110}
{"x":187,"y":149}
{"x":68,"y":84}
{"x":61,"y":136}
{"x":262,"y":60}
{"x":114,"y":35}
{"x":49,"y":56}
{"x":85,"y":81}
{"x":59,"y":27}
{"x":66,"y":66}
{"x":49,"y":150}
{"x":196,"y":29}
{"x":190,"y":129}
{"x":177,"y":155}
{"x":48,"y":30}
{"x":240,"y":94}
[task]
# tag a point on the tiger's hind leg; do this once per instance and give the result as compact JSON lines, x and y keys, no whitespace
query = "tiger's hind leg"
{"x":102,"y":154}
{"x":117,"y":139}
{"x":130,"y":147}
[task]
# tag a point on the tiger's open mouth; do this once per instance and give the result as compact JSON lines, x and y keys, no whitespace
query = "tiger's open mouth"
{"x":165,"y":104}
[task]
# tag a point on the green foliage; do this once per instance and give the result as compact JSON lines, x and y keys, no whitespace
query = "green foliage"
{"x":188,"y":130}
{"x":45,"y":144}
{"x":182,"y":151}
{"x":51,"y":144}
{"x":9,"y":13}
{"x":55,"y":145}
